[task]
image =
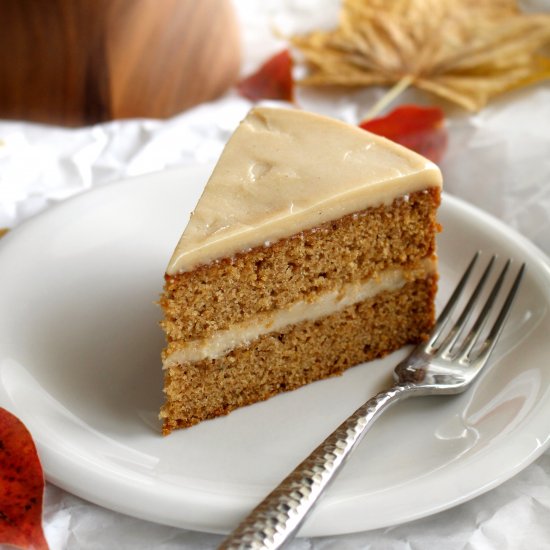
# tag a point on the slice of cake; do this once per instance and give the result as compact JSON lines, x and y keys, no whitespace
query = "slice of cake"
{"x":312,"y":249}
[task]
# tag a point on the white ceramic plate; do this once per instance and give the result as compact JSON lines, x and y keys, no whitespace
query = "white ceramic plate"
{"x":79,"y":364}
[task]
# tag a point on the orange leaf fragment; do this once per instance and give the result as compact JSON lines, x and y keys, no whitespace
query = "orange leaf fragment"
{"x":273,"y":80}
{"x":21,"y":486}
{"x":421,"y":129}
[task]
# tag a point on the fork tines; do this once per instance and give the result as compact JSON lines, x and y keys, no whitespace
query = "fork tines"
{"x":462,"y":349}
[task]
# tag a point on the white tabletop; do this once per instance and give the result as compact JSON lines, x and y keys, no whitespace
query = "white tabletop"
{"x":498,"y":159}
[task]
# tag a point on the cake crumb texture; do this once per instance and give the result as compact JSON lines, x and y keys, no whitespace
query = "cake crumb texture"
{"x":300,"y":354}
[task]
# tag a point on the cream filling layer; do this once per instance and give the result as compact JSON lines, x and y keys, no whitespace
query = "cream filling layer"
{"x":327,"y":303}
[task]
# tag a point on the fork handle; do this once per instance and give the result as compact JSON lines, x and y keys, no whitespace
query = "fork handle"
{"x":276,"y":520}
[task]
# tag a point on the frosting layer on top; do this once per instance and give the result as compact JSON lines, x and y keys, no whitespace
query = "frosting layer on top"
{"x":284,"y":171}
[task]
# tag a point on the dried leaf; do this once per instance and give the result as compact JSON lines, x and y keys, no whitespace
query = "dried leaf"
{"x":466,"y":51}
{"x":421,"y":129}
{"x":273,"y":80}
{"x":21,"y":486}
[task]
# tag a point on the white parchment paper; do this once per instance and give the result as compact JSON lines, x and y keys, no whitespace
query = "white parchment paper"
{"x":498,"y":160}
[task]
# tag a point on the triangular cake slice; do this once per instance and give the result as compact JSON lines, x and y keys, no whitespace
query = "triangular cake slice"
{"x":311,"y":249}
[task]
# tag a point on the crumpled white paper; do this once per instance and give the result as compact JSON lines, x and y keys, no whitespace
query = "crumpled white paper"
{"x":513,"y":516}
{"x":498,"y":160}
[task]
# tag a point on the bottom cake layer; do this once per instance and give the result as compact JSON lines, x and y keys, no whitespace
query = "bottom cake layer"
{"x":299,"y":354}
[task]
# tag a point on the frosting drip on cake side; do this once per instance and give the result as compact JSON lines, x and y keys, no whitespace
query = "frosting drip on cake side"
{"x":325,"y":304}
{"x":284,"y":171}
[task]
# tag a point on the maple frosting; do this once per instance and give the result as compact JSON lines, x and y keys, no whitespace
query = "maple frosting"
{"x":284,"y":171}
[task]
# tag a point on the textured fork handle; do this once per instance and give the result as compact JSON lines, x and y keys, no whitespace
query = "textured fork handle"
{"x":275,"y":521}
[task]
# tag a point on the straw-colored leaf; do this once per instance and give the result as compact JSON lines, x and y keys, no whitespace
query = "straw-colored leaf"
{"x":466,"y":51}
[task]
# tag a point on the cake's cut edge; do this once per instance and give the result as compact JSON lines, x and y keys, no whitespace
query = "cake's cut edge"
{"x":299,"y":206}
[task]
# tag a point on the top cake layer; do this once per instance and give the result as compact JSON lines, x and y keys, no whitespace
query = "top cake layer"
{"x":284,"y":171}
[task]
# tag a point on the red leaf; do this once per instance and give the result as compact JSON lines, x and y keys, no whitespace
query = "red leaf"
{"x":273,"y":80}
{"x":421,"y":129}
{"x":21,"y":486}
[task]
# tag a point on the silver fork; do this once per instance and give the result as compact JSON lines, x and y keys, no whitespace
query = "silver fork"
{"x":446,"y":364}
